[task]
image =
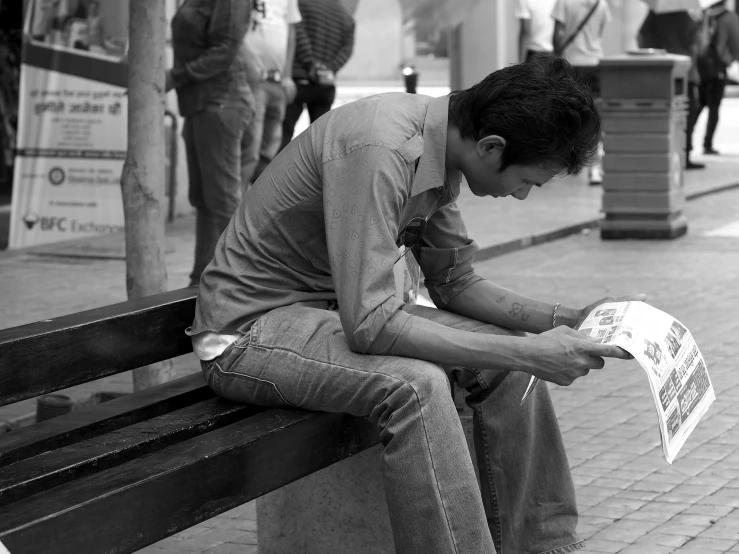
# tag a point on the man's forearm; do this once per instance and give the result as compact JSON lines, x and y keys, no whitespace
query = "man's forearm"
{"x":430,"y":341}
{"x":491,"y":303}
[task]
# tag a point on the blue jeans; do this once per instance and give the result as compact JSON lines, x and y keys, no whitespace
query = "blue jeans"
{"x":298,"y":356}
{"x":213,"y":149}
{"x":263,"y":138}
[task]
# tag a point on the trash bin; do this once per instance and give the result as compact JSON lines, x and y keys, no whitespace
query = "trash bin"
{"x":644,"y":110}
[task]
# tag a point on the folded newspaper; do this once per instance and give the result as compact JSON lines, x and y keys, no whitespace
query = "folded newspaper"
{"x":670,"y":357}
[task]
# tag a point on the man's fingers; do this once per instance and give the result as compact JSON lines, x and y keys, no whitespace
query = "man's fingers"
{"x":596,"y":362}
{"x":609,"y":351}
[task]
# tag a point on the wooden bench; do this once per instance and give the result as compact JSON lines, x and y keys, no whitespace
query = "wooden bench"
{"x":126,"y":473}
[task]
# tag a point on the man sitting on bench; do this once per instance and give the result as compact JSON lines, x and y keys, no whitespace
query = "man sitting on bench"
{"x":303,"y":304}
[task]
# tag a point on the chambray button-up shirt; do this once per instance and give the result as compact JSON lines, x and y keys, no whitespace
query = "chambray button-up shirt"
{"x":324,"y":219}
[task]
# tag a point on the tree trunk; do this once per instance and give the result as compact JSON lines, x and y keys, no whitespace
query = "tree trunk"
{"x":142,"y":181}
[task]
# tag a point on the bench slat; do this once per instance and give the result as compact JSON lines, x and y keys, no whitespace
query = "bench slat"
{"x":102,"y":418}
{"x":181,"y":485}
{"x":51,"y":355}
{"x":75,"y":461}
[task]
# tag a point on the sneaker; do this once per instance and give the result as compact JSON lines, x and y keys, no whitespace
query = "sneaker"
{"x":694,"y":165}
{"x":709,"y":151}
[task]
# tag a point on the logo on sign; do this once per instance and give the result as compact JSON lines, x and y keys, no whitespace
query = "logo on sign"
{"x":56,"y":176}
{"x":45,"y":223}
{"x":30,"y":219}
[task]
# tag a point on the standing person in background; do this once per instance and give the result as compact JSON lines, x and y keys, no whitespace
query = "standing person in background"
{"x":578,"y":36}
{"x":720,"y":50}
{"x":270,"y":45}
{"x":677,"y":33}
{"x":324,"y":43}
{"x":536,"y":28}
{"x":210,"y":77}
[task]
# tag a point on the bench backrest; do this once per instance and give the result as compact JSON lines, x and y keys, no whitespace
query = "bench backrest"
{"x":54,"y":354}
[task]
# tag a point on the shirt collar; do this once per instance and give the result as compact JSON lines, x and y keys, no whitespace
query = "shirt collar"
{"x":431,"y":172}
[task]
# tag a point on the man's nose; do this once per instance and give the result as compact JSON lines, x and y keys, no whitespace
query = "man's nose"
{"x":522,"y":193}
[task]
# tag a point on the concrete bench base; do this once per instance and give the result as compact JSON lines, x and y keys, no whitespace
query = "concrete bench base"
{"x":339,"y":509}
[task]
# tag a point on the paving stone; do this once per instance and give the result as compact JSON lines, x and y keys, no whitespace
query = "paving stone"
{"x":658,"y":511}
{"x":601,"y":546}
{"x":615,"y":508}
{"x":723,"y":497}
{"x":662,"y":539}
{"x":641,"y":548}
{"x":671,"y":528}
{"x":626,"y":530}
{"x":687,"y":493}
{"x":638,"y":495}
{"x":588,"y":525}
{"x":721,"y":530}
{"x":610,"y":482}
{"x":711,"y":544}
{"x":716,"y":512}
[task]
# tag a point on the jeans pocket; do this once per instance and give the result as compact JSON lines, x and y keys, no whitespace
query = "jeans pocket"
{"x":238,"y":374}
{"x":232,"y":118}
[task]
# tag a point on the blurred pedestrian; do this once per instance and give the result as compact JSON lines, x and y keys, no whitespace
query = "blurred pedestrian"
{"x":210,"y":77}
{"x":270,"y":45}
{"x":578,"y":36}
{"x":677,"y":33}
{"x":720,"y":50}
{"x":324,"y":41}
{"x":536,"y":28}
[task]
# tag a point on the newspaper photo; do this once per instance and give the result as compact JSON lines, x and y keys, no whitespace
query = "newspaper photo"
{"x":667,"y":352}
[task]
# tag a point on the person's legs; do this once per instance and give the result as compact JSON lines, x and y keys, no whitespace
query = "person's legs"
{"x":694,"y":110}
{"x":215,"y":139}
{"x":714,"y":95}
{"x":272,"y":128}
{"x":251,"y":140}
{"x":527,"y":487}
{"x":321,"y":102}
{"x":299,"y":356}
{"x":592,"y":76}
{"x":195,"y":195}
{"x":293,"y":112}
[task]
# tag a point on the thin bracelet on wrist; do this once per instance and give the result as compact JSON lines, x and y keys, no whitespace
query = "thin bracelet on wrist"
{"x":554,"y":314}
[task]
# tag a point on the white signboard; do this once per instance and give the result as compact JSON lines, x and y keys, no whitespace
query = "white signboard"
{"x":72,"y":122}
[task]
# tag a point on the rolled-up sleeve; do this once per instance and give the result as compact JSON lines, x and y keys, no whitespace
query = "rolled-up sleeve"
{"x":364,"y":191}
{"x":446,"y":256}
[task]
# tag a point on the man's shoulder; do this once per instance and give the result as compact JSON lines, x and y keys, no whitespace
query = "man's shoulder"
{"x":390,"y":119}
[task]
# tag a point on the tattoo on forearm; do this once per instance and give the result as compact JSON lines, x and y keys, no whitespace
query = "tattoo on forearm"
{"x":516,"y":309}
{"x":525,"y":316}
{"x":501,"y":299}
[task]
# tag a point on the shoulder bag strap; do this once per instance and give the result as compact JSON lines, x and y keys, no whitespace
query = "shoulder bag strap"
{"x":584,"y":22}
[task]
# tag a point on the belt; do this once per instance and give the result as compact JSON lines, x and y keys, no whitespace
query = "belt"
{"x":272,"y":76}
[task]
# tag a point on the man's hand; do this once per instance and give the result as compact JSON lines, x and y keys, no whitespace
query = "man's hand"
{"x":291,"y":89}
{"x":562,"y":355}
{"x":586,"y":310}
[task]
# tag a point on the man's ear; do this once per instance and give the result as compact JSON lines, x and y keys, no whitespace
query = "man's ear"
{"x":491,"y":145}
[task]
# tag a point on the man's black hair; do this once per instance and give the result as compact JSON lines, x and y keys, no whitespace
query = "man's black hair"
{"x":543,"y":108}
